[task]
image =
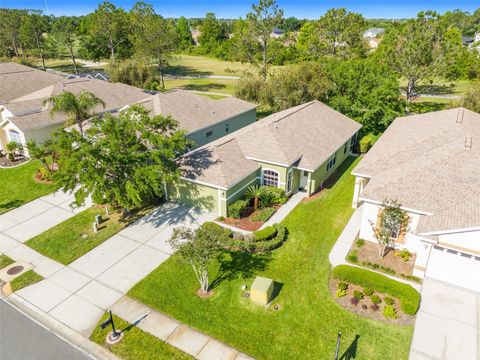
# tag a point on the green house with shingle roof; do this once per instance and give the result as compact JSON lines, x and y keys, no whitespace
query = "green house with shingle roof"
{"x":295,"y":149}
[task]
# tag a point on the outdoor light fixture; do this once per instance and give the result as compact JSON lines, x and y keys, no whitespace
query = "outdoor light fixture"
{"x":339,"y":336}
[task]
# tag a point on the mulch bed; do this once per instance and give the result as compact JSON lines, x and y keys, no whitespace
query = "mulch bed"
{"x":369,"y":252}
{"x":6,"y":162}
{"x":246,"y":222}
{"x":363,"y":308}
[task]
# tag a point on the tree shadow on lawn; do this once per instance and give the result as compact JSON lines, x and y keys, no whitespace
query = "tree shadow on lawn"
{"x":351,"y":352}
{"x":203,"y":87}
{"x":182,"y":70}
{"x":8,"y":205}
{"x":235,"y":265}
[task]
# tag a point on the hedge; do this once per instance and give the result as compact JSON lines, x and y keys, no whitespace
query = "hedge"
{"x":261,"y":246}
{"x":236,"y":209}
{"x":265,"y":234}
{"x":408,"y":296}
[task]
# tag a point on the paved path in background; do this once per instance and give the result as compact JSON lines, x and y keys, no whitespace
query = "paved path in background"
{"x":23,"y":339}
{"x":78,"y":294}
{"x":171,"y":331}
{"x":447,"y":325}
{"x":345,"y":241}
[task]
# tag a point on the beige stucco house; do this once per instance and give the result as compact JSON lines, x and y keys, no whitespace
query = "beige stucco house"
{"x":295,"y":149}
{"x":430,"y":164}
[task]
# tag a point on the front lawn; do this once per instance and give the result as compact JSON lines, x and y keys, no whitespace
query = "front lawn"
{"x":26,"y":279}
{"x":136,"y":344}
{"x":74,"y":237}
{"x":306,"y":327}
{"x":18,"y":186}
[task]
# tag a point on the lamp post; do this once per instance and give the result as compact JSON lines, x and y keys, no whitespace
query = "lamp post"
{"x":115,"y":336}
{"x":339,"y":336}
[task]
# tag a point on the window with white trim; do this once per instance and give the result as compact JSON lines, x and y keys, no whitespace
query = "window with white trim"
{"x":345,"y":147}
{"x":270,"y":178}
{"x":353,"y":141}
{"x":289,"y":180}
{"x":14,"y":136}
{"x":332,"y":161}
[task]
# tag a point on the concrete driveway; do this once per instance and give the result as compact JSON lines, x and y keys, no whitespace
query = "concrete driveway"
{"x":447,"y":324}
{"x":79,"y":293}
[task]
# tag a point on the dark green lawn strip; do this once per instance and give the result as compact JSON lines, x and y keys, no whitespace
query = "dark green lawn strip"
{"x":136,"y":344}
{"x":307,"y":325}
{"x":5,"y":261}
{"x":26,"y":279}
{"x":18,"y":186}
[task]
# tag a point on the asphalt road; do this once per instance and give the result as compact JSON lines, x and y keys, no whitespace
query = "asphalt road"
{"x":23,"y":339}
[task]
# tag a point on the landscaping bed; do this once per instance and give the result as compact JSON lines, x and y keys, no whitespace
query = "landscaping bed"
{"x":395,"y":262}
{"x":251,"y":219}
{"x":6,"y":162}
{"x":307,"y":325}
{"x":74,"y":237}
{"x":360,"y":301}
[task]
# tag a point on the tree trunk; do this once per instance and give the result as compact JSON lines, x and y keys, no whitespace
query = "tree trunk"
{"x":112,"y":49}
{"x":15,"y":47}
{"x":42,"y":56}
{"x":73,"y":60}
{"x":255,"y":203}
{"x":410,"y":89}
{"x":160,"y":69}
{"x":264,"y":60}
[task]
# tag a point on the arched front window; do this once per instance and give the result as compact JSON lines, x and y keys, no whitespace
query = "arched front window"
{"x":270,"y":178}
{"x":14,"y":136}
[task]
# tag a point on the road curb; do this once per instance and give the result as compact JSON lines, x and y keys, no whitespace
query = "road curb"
{"x":63,"y":332}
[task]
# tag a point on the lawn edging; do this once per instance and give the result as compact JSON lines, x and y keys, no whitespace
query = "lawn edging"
{"x":408,"y":296}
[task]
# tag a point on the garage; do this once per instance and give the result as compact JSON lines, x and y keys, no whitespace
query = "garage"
{"x":455,"y":267}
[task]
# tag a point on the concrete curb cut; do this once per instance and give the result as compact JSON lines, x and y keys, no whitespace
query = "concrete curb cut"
{"x":60,"y":330}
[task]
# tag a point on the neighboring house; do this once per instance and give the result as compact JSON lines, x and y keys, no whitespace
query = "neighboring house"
{"x":295,"y":149}
{"x":430,"y":164}
{"x":196,"y":36}
{"x":27,"y":118}
{"x":373,"y":33}
{"x":467,"y":40}
{"x":19,"y":80}
{"x":204,"y":119}
{"x":475,"y":45}
{"x":276,"y":33}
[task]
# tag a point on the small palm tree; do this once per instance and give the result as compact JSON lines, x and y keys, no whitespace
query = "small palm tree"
{"x":78,"y":108}
{"x":255,"y":192}
{"x":39,"y":152}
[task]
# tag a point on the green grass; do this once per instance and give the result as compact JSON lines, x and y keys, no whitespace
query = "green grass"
{"x":136,"y":344}
{"x":223,"y":86}
{"x":18,"y":186}
{"x":64,"y":242}
{"x":428,"y":104}
{"x":408,"y":296}
{"x":441,"y":87}
{"x":307,"y":325}
{"x":5,"y":261}
{"x":194,"y":65}
{"x":26,"y":279}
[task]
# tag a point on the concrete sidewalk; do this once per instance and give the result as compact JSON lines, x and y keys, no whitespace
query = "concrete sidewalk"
{"x":37,"y":216}
{"x":285,"y":209}
{"x":171,"y":331}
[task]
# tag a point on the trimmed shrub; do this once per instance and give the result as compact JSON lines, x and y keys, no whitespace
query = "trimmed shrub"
{"x":263,"y":214}
{"x":342,"y":285}
{"x":265,"y":234}
{"x":354,"y":301}
{"x":273,"y":195}
{"x":277,"y":241}
{"x":389,"y":312}
{"x":360,"y":242}
{"x":358,"y":295}
{"x":237,"y":209}
{"x":374,"y":307}
{"x":216,"y":227}
{"x":340,"y":293}
{"x":411,"y":278}
{"x":375,"y":299}
{"x":365,"y":144}
{"x":368,"y":291}
{"x":352,"y":257}
{"x":388,"y":300}
{"x":408,"y":296}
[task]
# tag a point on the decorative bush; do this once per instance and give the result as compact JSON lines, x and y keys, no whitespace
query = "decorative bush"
{"x":340,"y":293}
{"x":263,"y":214}
{"x":221,"y":218}
{"x":277,"y":241}
{"x":358,"y":295}
{"x":215,"y":227}
{"x":375,"y":299}
{"x":354,"y":301}
{"x":405,"y":255}
{"x":250,"y":243}
{"x":237,"y":209}
{"x":342,"y":285}
{"x":389,"y":312}
{"x":365,"y":144}
{"x":374,"y":307}
{"x":273,"y":195}
{"x":411,"y":278}
{"x":368,"y":291}
{"x":408,"y":296}
{"x":379,"y":267}
{"x":352,"y":257}
{"x":360,"y":242}
{"x":388,"y":300}
{"x":265,"y":234}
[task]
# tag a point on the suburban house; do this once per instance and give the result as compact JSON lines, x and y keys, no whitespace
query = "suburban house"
{"x":26,"y":117}
{"x":430,"y":165}
{"x":276,"y":33}
{"x":295,"y":149}
{"x":373,"y":33}
{"x":204,"y":119}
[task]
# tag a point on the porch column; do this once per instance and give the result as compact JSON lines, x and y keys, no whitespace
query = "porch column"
{"x":359,"y":185}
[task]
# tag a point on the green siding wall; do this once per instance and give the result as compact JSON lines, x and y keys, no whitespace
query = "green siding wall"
{"x":237,"y":191}
{"x":196,"y":195}
{"x":219,"y":129}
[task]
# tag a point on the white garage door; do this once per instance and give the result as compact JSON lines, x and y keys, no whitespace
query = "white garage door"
{"x":454,"y":267}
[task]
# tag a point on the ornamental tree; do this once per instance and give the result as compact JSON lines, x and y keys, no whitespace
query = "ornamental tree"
{"x":199,"y":248}
{"x":123,"y":160}
{"x":392,"y":221}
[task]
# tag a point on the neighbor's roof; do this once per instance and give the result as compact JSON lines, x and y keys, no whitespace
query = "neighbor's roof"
{"x":374,"y":31}
{"x":194,"y":112}
{"x":29,"y":111}
{"x":430,"y":163}
{"x":18,"y":80}
{"x":304,"y":136}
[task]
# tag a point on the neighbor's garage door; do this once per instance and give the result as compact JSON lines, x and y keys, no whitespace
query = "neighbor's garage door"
{"x":455,"y":267}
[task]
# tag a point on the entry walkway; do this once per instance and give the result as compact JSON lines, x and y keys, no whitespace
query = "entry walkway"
{"x":285,"y":209}
{"x":171,"y":331}
{"x":78,"y":294}
{"x":447,"y":325}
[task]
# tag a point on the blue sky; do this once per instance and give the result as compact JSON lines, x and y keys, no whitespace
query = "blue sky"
{"x":233,"y":9}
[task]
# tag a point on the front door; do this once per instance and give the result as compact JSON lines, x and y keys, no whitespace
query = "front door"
{"x":303,"y":180}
